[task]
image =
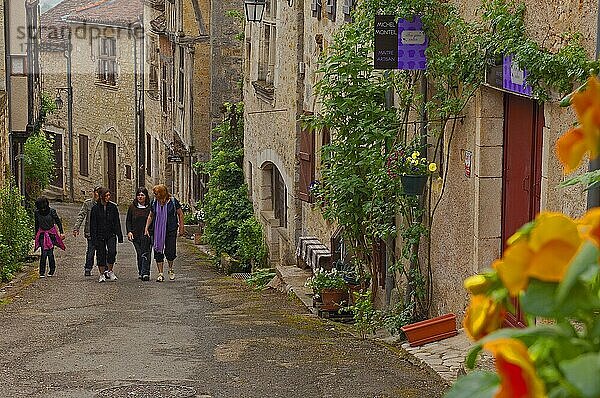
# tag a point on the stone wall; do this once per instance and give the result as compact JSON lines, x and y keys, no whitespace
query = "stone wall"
{"x":104,"y":114}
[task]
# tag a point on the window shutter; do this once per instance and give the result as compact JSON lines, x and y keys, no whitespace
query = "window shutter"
{"x":317,"y":6}
{"x":306,"y":156}
{"x":83,"y":155}
{"x":331,"y":9}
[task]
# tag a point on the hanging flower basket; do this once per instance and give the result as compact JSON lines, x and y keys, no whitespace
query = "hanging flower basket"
{"x":429,"y":330}
{"x":413,"y":184}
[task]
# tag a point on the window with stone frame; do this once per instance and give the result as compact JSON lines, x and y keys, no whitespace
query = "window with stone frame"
{"x":317,"y":8}
{"x":331,"y":7}
{"x":348,"y":8}
{"x":84,"y":155}
{"x":165,"y":89}
{"x":181,"y":75}
{"x":107,"y":61}
{"x":153,"y":53}
{"x":266,"y":64}
{"x":271,"y":10}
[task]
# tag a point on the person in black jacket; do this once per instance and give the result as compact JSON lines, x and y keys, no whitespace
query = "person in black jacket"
{"x":137,"y":214}
{"x":47,"y":235}
{"x":105,"y":230}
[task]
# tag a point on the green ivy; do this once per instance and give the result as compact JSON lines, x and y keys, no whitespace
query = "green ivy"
{"x":230,"y":226}
{"x":355,"y":191}
{"x":39,"y":158}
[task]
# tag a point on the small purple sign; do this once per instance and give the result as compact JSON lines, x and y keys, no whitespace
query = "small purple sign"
{"x":514,"y":78}
{"x":412,"y":44}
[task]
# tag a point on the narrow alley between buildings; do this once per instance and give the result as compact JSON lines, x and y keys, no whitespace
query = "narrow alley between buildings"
{"x":201,"y":335}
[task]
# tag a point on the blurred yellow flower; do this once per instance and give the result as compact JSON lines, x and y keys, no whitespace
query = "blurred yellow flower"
{"x":518,"y":377}
{"x":570,"y":149}
{"x":589,"y":225}
{"x":415,"y":154}
{"x":432,"y":167}
{"x":544,"y":252}
{"x":483,"y":316}
{"x":572,"y":146}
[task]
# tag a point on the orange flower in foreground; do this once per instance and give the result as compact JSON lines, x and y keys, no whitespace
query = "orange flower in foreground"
{"x":483,"y":316}
{"x":589,"y":225}
{"x":518,"y":378}
{"x":570,"y":149}
{"x":576,"y":142}
{"x":543,"y":252}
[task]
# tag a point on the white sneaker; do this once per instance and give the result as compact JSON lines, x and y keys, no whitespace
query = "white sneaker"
{"x":102,"y":278}
{"x":111,"y":275}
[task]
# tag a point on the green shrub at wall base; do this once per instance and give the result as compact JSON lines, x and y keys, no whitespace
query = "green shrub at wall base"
{"x":16,"y":231}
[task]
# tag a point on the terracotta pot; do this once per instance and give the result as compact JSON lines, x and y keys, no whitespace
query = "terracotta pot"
{"x":429,"y":330}
{"x":333,"y":299}
{"x":413,"y":185}
{"x":354,"y":289}
{"x":197,"y":238}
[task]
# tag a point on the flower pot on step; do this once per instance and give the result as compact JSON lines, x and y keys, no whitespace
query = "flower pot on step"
{"x":429,"y":330}
{"x":413,"y":184}
{"x":197,"y":238}
{"x":333,"y":299}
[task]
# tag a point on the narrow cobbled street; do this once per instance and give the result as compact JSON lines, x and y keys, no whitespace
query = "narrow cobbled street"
{"x":202,"y":335}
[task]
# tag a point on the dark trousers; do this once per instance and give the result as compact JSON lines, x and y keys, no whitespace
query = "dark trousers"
{"x":106,"y":251}
{"x":47,"y":254}
{"x":89,"y":254}
{"x":144,"y":254}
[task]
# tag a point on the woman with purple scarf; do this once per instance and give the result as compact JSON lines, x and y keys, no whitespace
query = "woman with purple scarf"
{"x":167,"y":218}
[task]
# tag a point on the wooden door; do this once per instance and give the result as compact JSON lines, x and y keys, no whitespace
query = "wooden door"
{"x":522,"y":170}
{"x":57,"y":148}
{"x":111,"y":169}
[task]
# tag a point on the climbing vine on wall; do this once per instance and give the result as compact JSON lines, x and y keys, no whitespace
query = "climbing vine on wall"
{"x":356,"y":192}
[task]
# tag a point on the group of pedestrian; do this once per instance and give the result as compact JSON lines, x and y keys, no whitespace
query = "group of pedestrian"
{"x":152,"y":226}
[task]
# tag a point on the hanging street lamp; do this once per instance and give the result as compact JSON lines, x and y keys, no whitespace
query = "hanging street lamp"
{"x":254,"y":10}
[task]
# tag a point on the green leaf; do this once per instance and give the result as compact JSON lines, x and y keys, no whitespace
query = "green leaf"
{"x":583,"y":261}
{"x":540,"y":299}
{"x":472,"y":356}
{"x":583,"y":373}
{"x":475,"y":385}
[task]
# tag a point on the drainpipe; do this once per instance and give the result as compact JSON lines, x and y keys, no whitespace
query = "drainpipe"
{"x":300,"y":86}
{"x":7,"y":64}
{"x":69,"y":53}
{"x":593,"y":196}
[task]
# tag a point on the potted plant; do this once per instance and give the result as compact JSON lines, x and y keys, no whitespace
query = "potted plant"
{"x":429,"y":330}
{"x":331,"y":287}
{"x":412,"y":168}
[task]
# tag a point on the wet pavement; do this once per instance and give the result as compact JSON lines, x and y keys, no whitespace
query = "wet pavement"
{"x":202,"y":335}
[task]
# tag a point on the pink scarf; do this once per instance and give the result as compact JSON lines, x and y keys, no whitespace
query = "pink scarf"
{"x":47,"y":243}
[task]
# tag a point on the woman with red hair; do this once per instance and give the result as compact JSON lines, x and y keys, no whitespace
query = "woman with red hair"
{"x":166,"y":217}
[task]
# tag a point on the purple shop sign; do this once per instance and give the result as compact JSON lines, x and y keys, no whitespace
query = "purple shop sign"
{"x":514,"y":78}
{"x":412,"y":44}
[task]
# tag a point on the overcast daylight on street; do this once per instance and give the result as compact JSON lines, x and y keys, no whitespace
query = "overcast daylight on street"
{"x":299,"y":198}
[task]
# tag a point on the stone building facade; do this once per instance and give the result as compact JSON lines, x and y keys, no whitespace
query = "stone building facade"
{"x":22,"y":83}
{"x":105,"y":66}
{"x":477,"y":212}
{"x":196,"y":67}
